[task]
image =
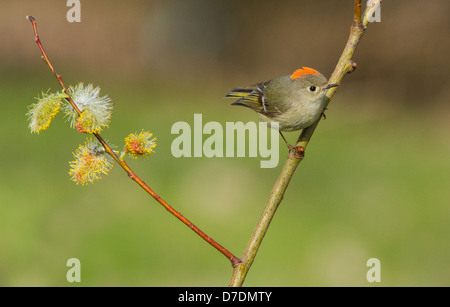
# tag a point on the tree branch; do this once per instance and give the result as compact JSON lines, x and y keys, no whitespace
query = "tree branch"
{"x":345,"y":65}
{"x":232,"y":258}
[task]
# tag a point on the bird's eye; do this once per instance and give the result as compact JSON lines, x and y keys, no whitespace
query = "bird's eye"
{"x":312,"y":88}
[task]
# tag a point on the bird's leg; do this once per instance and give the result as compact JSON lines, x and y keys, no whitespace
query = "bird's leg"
{"x":288,"y":145}
{"x":298,"y":150}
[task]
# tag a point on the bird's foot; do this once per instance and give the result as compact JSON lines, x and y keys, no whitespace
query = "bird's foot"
{"x":323,"y":113}
{"x":298,"y":150}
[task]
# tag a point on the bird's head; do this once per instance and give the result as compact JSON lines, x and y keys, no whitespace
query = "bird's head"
{"x":312,"y":83}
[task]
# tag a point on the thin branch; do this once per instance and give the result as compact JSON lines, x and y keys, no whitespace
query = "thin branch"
{"x":233,"y":259}
{"x":47,"y":61}
{"x":345,"y":65}
{"x":357,"y":14}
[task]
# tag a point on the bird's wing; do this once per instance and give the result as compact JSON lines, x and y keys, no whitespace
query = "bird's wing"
{"x":254,"y":98}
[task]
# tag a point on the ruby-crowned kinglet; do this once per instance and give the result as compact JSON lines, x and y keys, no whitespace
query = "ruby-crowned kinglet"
{"x":294,"y":101}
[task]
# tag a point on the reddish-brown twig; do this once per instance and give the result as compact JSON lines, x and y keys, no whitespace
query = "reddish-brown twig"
{"x":233,"y":259}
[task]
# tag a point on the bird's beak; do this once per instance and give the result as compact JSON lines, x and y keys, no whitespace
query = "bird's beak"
{"x":331,"y":85}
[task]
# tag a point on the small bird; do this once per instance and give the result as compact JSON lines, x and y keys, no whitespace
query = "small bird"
{"x":294,"y":101}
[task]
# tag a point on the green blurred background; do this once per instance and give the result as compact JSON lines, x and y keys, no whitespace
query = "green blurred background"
{"x":375,"y":181}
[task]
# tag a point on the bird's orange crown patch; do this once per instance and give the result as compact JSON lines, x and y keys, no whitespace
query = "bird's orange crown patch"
{"x":300,"y":73}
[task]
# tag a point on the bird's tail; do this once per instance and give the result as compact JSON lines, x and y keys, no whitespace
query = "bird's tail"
{"x":239,"y":93}
{"x":246,"y":97}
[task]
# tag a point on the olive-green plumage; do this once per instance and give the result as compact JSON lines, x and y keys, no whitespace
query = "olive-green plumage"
{"x":294,"y":101}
